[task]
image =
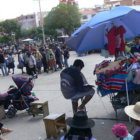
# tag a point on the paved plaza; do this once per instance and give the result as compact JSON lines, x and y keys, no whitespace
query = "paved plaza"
{"x":47,"y":87}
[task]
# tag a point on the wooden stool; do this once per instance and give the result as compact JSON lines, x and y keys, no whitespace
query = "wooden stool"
{"x":2,"y":112}
{"x":40,"y":107}
{"x":54,"y":123}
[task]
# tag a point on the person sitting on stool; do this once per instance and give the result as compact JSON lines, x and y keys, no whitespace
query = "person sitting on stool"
{"x":74,"y":85}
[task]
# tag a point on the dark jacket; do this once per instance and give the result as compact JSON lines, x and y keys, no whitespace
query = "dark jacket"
{"x":71,"y":82}
{"x":135,"y":49}
{"x":2,"y":60}
{"x":66,"y":54}
{"x":137,"y":135}
{"x":1,"y":125}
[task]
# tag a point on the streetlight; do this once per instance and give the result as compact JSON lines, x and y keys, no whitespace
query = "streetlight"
{"x":41,"y":22}
{"x":133,"y":2}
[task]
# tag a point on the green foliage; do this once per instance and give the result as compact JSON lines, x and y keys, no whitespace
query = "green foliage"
{"x":32,"y":33}
{"x":24,"y":33}
{"x":10,"y":28}
{"x":5,"y":39}
{"x":65,"y":17}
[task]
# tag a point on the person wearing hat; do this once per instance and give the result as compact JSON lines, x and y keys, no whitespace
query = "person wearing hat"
{"x":80,"y":127}
{"x":21,"y":60}
{"x":133,"y":111}
{"x":120,"y":131}
{"x":74,"y":85}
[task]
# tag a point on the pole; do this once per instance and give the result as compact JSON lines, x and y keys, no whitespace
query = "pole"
{"x":41,"y":22}
{"x":133,"y":2}
{"x":127,"y":95}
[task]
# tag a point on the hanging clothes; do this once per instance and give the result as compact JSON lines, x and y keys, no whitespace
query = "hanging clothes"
{"x":111,"y":36}
{"x":120,"y":31}
{"x":116,"y":44}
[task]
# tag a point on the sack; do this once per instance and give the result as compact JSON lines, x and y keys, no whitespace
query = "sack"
{"x":67,"y":85}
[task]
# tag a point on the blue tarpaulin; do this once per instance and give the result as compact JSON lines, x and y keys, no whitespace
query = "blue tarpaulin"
{"x":92,"y":34}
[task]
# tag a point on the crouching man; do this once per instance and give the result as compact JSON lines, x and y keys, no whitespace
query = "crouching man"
{"x":74,"y":85}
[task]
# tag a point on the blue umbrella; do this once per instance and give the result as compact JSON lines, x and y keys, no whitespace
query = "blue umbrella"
{"x":92,"y":34}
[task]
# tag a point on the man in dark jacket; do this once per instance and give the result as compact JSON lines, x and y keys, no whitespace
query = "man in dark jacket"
{"x":136,"y":47}
{"x":58,"y":56}
{"x":44,"y":60}
{"x":74,"y":85}
{"x":3,"y":64}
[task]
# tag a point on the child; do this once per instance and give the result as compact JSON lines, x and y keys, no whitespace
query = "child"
{"x":133,"y":111}
{"x":120,"y":131}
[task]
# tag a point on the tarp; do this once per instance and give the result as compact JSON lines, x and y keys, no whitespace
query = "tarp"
{"x":27,"y":40}
{"x":92,"y":34}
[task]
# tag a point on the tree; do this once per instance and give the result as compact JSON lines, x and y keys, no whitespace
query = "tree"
{"x":10,"y":29}
{"x":5,"y":39}
{"x":65,"y":17}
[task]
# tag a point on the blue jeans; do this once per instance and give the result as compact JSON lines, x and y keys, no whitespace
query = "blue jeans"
{"x":4,"y":69}
{"x":66,"y":62}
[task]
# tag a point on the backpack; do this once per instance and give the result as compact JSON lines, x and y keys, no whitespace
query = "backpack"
{"x":67,"y":85}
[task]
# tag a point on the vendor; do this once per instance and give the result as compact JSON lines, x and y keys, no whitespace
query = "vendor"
{"x":136,"y":47}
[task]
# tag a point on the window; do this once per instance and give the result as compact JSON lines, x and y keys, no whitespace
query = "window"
{"x":85,"y":17}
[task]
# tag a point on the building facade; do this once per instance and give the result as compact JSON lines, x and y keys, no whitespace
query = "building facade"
{"x":113,"y":3}
{"x":87,"y":14}
{"x":69,"y":2}
{"x":31,"y":21}
{"x":27,"y":21}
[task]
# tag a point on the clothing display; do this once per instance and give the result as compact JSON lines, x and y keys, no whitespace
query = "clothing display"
{"x":110,"y":68}
{"x":114,"y":82}
{"x":111,"y":76}
{"x":115,"y":38}
{"x":111,"y":36}
{"x":120,"y":33}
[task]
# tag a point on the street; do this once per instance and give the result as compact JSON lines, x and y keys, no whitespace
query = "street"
{"x":47,"y":87}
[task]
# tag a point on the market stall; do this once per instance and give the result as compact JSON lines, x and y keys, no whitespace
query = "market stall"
{"x":108,"y":31}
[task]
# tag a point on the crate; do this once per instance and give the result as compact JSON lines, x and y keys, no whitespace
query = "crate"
{"x":54,"y":123}
{"x":2,"y":112}
{"x":40,"y":107}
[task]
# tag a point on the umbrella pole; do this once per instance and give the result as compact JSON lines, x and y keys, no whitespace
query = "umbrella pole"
{"x":127,"y":95}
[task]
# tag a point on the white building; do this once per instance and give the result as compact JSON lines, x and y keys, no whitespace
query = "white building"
{"x":31,"y":21}
{"x":87,"y":14}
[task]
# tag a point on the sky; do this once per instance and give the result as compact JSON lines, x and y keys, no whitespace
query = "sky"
{"x":13,"y":8}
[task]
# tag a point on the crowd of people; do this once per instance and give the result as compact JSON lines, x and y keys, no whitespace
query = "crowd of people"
{"x":33,"y":58}
{"x":74,"y":86}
